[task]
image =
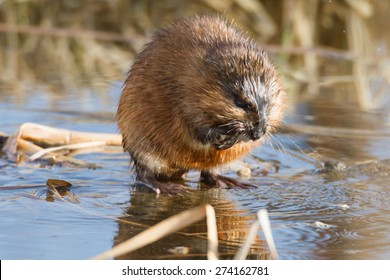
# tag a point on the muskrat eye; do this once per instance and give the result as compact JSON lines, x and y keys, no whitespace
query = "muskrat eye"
{"x":237,"y":99}
{"x":241,"y":104}
{"x":245,"y":103}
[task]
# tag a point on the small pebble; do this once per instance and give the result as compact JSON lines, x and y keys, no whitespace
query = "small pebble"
{"x":244,"y":172}
{"x":180,"y":250}
{"x":321,"y":225}
{"x":237,"y":165}
{"x":343,"y":206}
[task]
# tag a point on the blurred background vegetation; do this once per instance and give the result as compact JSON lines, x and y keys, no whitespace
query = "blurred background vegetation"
{"x":317,"y":44}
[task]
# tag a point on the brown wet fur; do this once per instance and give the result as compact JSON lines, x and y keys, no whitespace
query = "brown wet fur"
{"x":173,"y":90}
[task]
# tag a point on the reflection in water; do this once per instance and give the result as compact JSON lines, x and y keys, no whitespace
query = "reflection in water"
{"x":147,"y":209}
{"x":327,"y":111}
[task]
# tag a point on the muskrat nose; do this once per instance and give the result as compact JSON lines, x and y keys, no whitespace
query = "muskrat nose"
{"x":257,"y":132}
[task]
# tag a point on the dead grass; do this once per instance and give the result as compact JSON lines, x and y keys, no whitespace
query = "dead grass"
{"x":73,"y":44}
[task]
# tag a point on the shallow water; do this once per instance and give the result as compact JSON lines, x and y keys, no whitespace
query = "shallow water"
{"x":353,"y":204}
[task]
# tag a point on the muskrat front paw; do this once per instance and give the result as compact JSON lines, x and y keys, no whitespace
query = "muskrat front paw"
{"x":211,"y":179}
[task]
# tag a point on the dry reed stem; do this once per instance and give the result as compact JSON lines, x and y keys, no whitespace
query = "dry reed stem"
{"x":212,"y":234}
{"x":11,"y":68}
{"x":155,"y":232}
{"x":66,"y":32}
{"x":84,"y":145}
{"x":219,"y":5}
{"x":266,"y":226}
{"x":112,"y":37}
{"x":242,"y":253}
{"x":52,"y":136}
{"x":362,"y":7}
{"x":264,"y":24}
{"x":359,"y":41}
{"x":263,"y":220}
{"x":30,"y":148}
{"x":29,"y":136}
{"x":303,"y":16}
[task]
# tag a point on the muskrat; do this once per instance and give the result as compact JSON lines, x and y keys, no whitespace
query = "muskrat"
{"x":198,"y":96}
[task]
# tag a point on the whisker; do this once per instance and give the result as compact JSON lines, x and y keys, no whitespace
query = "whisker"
{"x":279,"y":146}
{"x":231,"y":123}
{"x":308,"y":157}
{"x":270,"y":143}
{"x":242,"y":137}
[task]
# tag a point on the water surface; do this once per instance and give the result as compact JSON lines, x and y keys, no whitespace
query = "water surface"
{"x":314,"y":213}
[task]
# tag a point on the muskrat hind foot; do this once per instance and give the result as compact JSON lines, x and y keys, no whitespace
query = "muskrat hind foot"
{"x":147,"y":182}
{"x":212,"y":179}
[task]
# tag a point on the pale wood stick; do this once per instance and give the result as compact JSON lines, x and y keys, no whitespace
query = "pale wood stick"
{"x":56,"y":136}
{"x":28,"y":147}
{"x":31,"y":148}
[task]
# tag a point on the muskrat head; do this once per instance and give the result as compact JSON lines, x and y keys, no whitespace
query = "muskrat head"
{"x":245,"y":101}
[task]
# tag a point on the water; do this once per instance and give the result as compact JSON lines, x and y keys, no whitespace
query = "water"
{"x":314,"y":214}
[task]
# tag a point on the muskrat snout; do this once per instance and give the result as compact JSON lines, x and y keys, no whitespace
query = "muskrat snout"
{"x":256,"y":132}
{"x":227,"y":135}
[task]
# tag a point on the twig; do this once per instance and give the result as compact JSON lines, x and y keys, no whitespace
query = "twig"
{"x":31,"y":148}
{"x":70,"y":147}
